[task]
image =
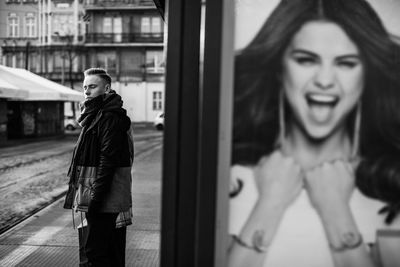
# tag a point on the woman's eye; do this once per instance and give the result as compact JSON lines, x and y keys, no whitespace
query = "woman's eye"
{"x":347,"y":64}
{"x":305,"y":61}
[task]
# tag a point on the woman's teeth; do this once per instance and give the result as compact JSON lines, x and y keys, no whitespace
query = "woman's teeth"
{"x":321,"y":106}
{"x":322,"y":99}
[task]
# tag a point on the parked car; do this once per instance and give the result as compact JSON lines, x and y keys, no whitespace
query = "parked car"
{"x":70,"y":123}
{"x":159,"y":121}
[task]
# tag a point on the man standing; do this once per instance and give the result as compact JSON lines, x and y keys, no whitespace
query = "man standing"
{"x":100,"y":171}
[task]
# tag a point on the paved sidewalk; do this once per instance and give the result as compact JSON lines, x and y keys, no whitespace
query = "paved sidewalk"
{"x":48,"y":238}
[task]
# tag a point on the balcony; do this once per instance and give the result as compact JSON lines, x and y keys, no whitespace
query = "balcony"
{"x":118,"y":4}
{"x":56,"y":75}
{"x":118,"y":38}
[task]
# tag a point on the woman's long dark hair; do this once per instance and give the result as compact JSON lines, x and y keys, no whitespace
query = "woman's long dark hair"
{"x":257,"y":85}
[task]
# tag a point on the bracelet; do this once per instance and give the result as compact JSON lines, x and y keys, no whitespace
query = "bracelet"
{"x":349,"y":240}
{"x":257,"y":242}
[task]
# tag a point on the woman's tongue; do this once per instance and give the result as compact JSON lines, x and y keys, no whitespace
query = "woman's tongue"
{"x":321,"y":107}
{"x":321,"y":113}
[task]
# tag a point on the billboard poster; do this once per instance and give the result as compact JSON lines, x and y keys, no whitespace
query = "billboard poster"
{"x":315,"y":176}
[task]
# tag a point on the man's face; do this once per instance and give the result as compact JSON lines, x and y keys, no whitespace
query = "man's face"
{"x":93,"y":86}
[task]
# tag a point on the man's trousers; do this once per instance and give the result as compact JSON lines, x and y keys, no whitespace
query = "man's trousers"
{"x":105,"y":245}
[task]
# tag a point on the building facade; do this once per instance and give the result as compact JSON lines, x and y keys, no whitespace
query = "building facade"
{"x":44,"y":37}
{"x":126,"y":38}
{"x":59,"y":39}
{"x":18,"y":32}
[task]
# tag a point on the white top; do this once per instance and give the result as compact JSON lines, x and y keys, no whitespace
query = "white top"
{"x":300,"y":239}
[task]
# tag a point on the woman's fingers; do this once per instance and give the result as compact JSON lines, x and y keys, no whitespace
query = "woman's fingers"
{"x":330,"y":182}
{"x":279,"y":178}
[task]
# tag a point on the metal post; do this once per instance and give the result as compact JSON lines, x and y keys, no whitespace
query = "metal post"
{"x":216,"y":134}
{"x":197,"y":135}
{"x":180,"y":160}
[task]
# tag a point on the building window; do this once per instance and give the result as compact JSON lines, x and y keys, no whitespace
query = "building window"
{"x":145,"y":25}
{"x":117,"y":29}
{"x":156,"y":25}
{"x":13,"y":25}
{"x":157,"y":100}
{"x":155,"y":62}
{"x":63,"y":24}
{"x":63,"y":5}
{"x":107,"y":60}
{"x":33,"y":59}
{"x":151,"y":25}
{"x":9,"y":60}
{"x":107,"y":25}
{"x":30,"y":25}
{"x":112,"y":29}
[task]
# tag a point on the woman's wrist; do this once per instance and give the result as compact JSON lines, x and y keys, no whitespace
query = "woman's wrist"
{"x":347,"y":241}
{"x":333,"y":210}
{"x":261,"y":225}
{"x":256,"y":244}
{"x":341,"y":230}
{"x":271,"y":204}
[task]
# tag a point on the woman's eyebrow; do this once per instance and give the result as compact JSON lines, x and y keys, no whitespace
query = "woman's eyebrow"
{"x":349,"y":56}
{"x":302,"y":51}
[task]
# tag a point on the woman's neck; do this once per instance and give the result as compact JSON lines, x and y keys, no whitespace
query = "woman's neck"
{"x":309,"y":152}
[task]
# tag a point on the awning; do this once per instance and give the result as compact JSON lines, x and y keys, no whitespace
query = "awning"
{"x":38,"y":88}
{"x":7,"y":90}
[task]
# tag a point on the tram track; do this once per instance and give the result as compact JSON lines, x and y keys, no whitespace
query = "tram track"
{"x":143,"y":146}
{"x":28,"y":159}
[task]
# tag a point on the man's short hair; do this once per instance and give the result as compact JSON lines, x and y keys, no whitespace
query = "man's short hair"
{"x":102,"y":73}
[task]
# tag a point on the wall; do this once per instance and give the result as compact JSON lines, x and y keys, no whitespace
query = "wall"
{"x":134,"y":97}
{"x":138,"y":99}
{"x":152,"y":87}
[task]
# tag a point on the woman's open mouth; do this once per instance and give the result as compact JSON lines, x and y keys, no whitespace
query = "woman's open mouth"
{"x":321,"y":106}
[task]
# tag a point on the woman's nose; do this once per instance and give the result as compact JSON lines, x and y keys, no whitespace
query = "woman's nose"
{"x":324,"y":77}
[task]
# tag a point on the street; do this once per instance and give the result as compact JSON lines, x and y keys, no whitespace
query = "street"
{"x":34,"y":174}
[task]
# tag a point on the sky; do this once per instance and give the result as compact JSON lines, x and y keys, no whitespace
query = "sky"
{"x":251,"y":14}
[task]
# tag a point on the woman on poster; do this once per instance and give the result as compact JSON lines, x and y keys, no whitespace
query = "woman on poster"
{"x":316,"y":141}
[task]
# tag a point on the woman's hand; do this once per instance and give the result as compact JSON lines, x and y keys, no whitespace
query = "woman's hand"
{"x":279,"y":179}
{"x":279,"y":182}
{"x":330,"y":185}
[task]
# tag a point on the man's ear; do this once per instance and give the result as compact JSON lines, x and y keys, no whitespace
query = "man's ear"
{"x":108,"y":88}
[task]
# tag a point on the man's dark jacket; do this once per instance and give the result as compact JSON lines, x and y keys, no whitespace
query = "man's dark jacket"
{"x":100,"y":171}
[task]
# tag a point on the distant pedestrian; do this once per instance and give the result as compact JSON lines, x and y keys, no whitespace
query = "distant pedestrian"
{"x":100,"y":171}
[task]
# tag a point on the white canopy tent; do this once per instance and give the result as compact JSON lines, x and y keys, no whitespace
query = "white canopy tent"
{"x":7,"y":90}
{"x":37,"y":87}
